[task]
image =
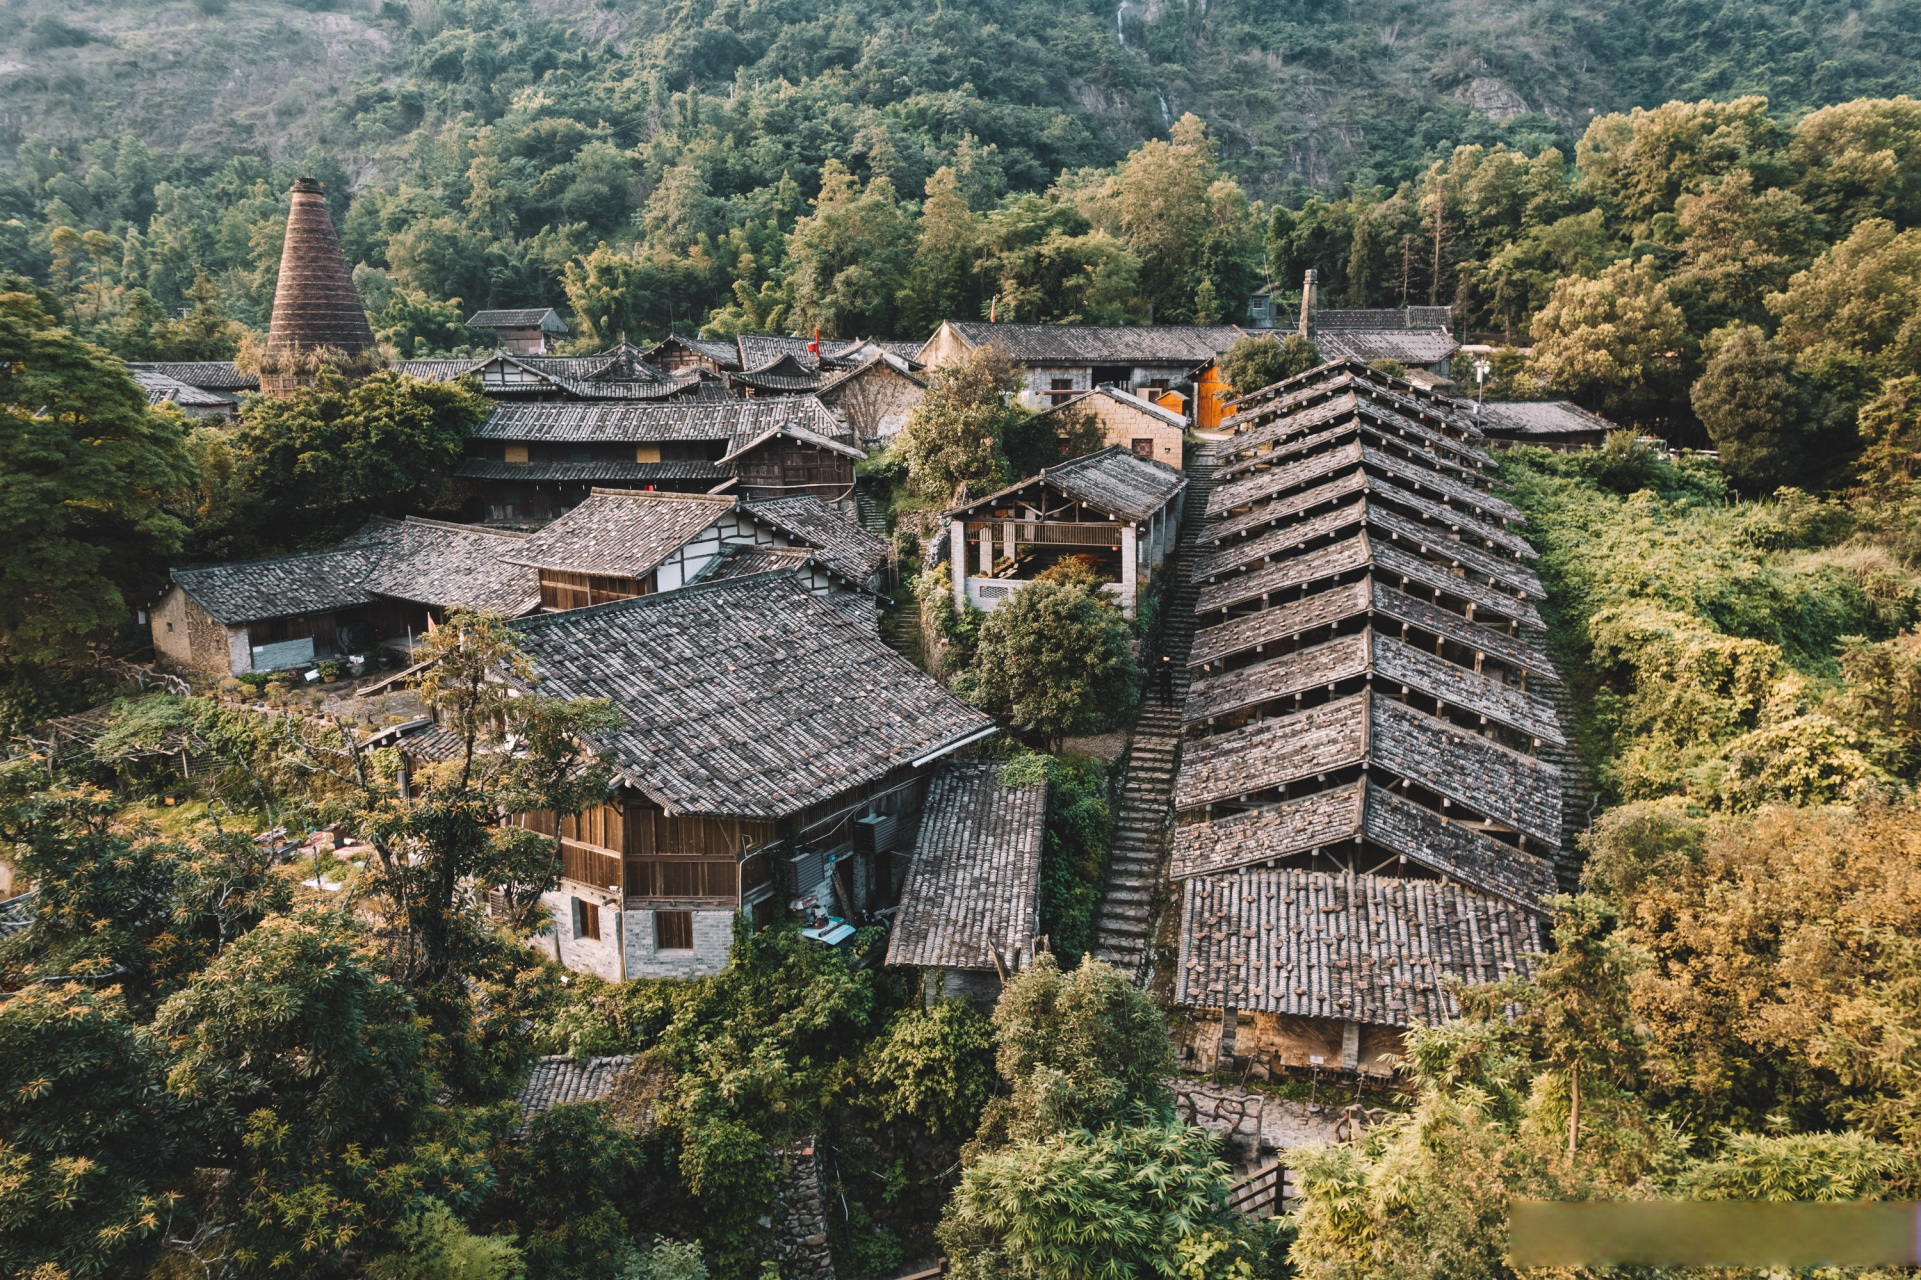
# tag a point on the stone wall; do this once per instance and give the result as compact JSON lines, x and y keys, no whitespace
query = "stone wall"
{"x":1123,"y":424}
{"x":1255,"y":1127}
{"x":599,"y":956}
{"x":800,"y":1221}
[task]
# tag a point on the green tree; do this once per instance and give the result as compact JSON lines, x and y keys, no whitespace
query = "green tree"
{"x":434,"y":1245}
{"x":955,"y":435}
{"x":321,"y":461}
{"x":1056,"y":659}
{"x":1086,"y":1206}
{"x":570,"y":1191}
{"x":1615,"y":343}
{"x":1890,"y":426}
{"x":1031,"y":441}
{"x":851,"y":256}
{"x":416,"y":326}
{"x":1740,"y":246}
{"x":1862,"y":160}
{"x":1852,"y":316}
{"x":1759,"y":420}
{"x":1643,"y":163}
{"x":89,"y":1140}
{"x":307,"y":1074}
{"x":1256,"y":362}
{"x":942,"y":280}
{"x":86,"y":473}
{"x":205,"y":332}
{"x":115,"y":903}
{"x":456,"y":829}
{"x":1080,"y":1050}
{"x":933,"y":1065}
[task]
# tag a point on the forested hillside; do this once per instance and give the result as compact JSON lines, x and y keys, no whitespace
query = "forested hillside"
{"x":482,"y":151}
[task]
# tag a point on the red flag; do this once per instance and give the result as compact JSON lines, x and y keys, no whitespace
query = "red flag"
{"x":813,"y":348}
{"x":991,"y":306}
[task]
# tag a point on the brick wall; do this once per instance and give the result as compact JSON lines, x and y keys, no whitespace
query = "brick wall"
{"x":713,"y":935}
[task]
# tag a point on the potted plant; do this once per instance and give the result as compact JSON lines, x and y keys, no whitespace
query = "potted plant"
{"x":329,"y":671}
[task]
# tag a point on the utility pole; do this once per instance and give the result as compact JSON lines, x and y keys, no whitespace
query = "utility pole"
{"x":1481,"y":367}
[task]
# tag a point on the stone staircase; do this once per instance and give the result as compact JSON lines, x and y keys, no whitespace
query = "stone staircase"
{"x":1136,"y":865}
{"x":900,"y":629}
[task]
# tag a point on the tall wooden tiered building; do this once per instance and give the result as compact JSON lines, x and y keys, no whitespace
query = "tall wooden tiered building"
{"x":1363,"y":808}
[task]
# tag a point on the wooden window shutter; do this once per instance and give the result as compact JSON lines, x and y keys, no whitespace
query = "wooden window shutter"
{"x":674,"y":930}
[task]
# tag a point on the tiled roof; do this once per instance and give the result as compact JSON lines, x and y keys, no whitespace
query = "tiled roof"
{"x":748,"y":698}
{"x":737,"y":560}
{"x":1239,"y":536}
{"x":524,"y":318}
{"x":1115,"y":480}
{"x":624,"y":533}
{"x":795,"y":384}
{"x":846,"y":547}
{"x":1285,"y":574}
{"x":1518,"y":790}
{"x":904,"y":366}
{"x":559,"y":1079}
{"x":1353,"y":600}
{"x":161,"y":389}
{"x":1315,"y":667}
{"x":448,"y":566}
{"x":722,"y":352}
{"x":1076,"y":344}
{"x":973,"y":888}
{"x":1290,"y":395}
{"x":1328,"y":530}
{"x":1297,"y":432}
{"x":443,"y":369}
{"x":1283,"y":486}
{"x":1376,"y":319}
{"x":799,"y":434}
{"x":1349,"y":440}
{"x":208,"y":375}
{"x":610,"y":472}
{"x":1333,"y":821}
{"x":445,"y":565}
{"x":1367,"y":949}
{"x":1513,"y":650}
{"x":1408,"y":346}
{"x":732,"y":421}
{"x":1521,"y":419}
{"x":278,"y":587}
{"x":759,"y":350}
{"x":16,"y":914}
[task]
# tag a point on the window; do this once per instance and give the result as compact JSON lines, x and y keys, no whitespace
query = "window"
{"x":1060,"y":390}
{"x":673,"y":931}
{"x":586,"y":919}
{"x":1144,"y":446}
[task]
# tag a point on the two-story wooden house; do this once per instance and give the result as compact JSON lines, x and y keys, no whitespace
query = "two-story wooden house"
{"x":773,"y":755}
{"x":528,"y":463}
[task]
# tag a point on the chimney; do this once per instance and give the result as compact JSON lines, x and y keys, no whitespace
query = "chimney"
{"x":1310,"y":301}
{"x":314,"y":303}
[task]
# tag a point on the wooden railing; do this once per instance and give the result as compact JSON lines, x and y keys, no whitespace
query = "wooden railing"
{"x":1060,"y":534}
{"x":1262,"y":1194}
